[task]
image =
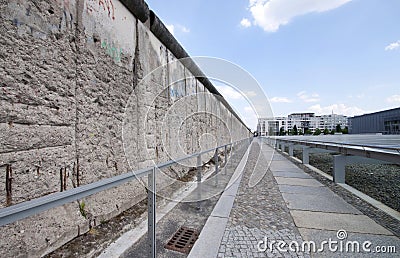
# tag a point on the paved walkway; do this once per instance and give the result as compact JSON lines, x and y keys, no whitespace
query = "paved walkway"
{"x":275,"y":212}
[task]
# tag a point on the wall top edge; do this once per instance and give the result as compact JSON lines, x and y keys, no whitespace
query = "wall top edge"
{"x":140,"y":9}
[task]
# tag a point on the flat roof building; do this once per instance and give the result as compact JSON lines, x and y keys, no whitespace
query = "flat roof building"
{"x":302,"y":121}
{"x":385,"y":122}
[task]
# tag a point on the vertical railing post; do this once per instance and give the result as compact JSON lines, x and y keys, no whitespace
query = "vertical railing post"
{"x":199,"y":181}
{"x":291,"y":146}
{"x":151,"y":212}
{"x":339,"y":169}
{"x":306,"y":155}
{"x":226,"y":158}
{"x":216,"y":166}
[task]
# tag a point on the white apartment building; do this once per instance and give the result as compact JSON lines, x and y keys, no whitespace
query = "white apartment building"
{"x":330,"y":121}
{"x":303,"y":122}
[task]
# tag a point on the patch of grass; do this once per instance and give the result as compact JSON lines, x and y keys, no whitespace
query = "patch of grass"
{"x":82,"y":209}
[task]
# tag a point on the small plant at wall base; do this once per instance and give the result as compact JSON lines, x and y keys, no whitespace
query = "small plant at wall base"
{"x":82,"y":209}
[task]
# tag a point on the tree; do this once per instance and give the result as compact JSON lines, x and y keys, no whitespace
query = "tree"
{"x":333,"y":132}
{"x":326,"y":131}
{"x":282,"y":131}
{"x":338,"y":128}
{"x":317,"y":131}
{"x":345,"y":130}
{"x":295,"y":130}
{"x":308,"y":132}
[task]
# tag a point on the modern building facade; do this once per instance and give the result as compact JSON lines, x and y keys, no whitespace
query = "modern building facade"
{"x":331,"y":121}
{"x":385,"y":122}
{"x":302,"y":121}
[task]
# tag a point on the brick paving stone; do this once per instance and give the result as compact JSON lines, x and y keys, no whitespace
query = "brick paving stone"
{"x":258,"y":213}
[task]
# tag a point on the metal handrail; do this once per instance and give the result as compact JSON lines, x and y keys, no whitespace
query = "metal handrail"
{"x":28,"y":208}
{"x":349,"y":144}
{"x":337,"y":143}
{"x":375,"y":152}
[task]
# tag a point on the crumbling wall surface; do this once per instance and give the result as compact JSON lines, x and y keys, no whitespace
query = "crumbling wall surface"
{"x":88,"y":92}
{"x":37,"y":119}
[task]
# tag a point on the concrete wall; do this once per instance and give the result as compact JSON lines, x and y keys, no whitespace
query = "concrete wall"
{"x":77,"y":105}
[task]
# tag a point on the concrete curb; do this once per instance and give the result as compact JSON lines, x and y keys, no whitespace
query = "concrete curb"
{"x":207,"y":245}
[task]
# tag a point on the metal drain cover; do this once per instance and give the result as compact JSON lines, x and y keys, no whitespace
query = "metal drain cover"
{"x":183,"y":240}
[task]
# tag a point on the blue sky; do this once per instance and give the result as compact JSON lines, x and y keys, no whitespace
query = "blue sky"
{"x":308,"y":55}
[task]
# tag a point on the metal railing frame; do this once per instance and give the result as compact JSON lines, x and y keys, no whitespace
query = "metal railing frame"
{"x":28,"y":208}
{"x":384,"y":153}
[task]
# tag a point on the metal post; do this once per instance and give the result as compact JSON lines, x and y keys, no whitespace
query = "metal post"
{"x":291,"y":150}
{"x":306,"y":153}
{"x":226,"y":158}
{"x":339,"y":169}
{"x":216,"y":166}
{"x":151,"y":212}
{"x":199,"y":182}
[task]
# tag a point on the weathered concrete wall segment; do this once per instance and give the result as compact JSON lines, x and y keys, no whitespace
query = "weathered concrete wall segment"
{"x":78,"y":105}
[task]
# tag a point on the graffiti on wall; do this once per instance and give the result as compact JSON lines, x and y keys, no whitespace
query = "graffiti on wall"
{"x":177,"y":90}
{"x":30,"y":20}
{"x":191,"y":86}
{"x":101,"y":6}
{"x":112,"y":51}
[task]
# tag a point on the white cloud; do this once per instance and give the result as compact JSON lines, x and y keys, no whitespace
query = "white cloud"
{"x":280,"y":100}
{"x":340,"y":109}
{"x":229,"y":92}
{"x":178,"y":27}
{"x":250,"y":93}
{"x":248,"y":109}
{"x":271,"y":14}
{"x":171,"y":28}
{"x":308,"y":98}
{"x":250,"y":117}
{"x":245,"y":23}
{"x":183,"y":28}
{"x":393,"y":46}
{"x":393,"y":99}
